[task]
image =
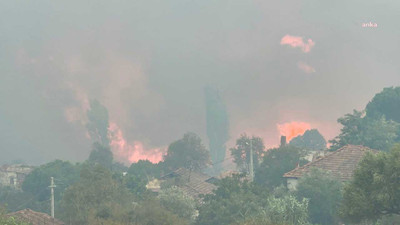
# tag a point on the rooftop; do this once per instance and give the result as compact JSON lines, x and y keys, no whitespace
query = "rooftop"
{"x":340,"y":163}
{"x":193,"y":183}
{"x":35,"y":218}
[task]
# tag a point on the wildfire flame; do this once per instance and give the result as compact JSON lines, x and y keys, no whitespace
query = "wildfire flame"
{"x":293,"y":129}
{"x":130,"y":153}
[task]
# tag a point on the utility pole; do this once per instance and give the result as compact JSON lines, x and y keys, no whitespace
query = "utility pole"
{"x":52,"y":186}
{"x":251,"y":161}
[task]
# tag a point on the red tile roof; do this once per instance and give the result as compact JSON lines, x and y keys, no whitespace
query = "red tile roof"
{"x":340,"y":163}
{"x":35,"y":218}
{"x":194,"y":183}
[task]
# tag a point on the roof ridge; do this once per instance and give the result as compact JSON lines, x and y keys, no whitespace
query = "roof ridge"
{"x":360,"y":147}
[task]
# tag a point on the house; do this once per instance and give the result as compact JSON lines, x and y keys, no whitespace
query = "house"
{"x":192,"y":182}
{"x":340,"y":163}
{"x":14,"y":175}
{"x":35,"y":218}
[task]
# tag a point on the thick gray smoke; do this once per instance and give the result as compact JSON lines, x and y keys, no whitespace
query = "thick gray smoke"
{"x":148,"y":62}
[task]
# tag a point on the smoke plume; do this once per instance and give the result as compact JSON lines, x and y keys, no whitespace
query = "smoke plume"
{"x":148,"y":62}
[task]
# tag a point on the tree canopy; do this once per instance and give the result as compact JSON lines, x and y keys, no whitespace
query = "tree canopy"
{"x":151,"y":212}
{"x":275,"y":163}
{"x":286,"y":210}
{"x":96,"y":193}
{"x":179,"y":202}
{"x":145,"y":169}
{"x":217,"y":126}
{"x":188,"y":152}
{"x":241,"y":152}
{"x":37,"y":182}
{"x":376,"y":133}
{"x":386,"y":103}
{"x":101,"y":154}
{"x":139,"y":174}
{"x":310,"y":140}
{"x":98,"y":123}
{"x":324,"y":194}
{"x":7,"y":220}
{"x":234,"y":200}
{"x":375,"y":188}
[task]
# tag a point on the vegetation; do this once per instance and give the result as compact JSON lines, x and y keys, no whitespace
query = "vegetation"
{"x":310,"y":140}
{"x":188,"y":152}
{"x":276,"y":162}
{"x":17,"y":200}
{"x":145,"y":169}
{"x":98,"y":123}
{"x":241,"y":152}
{"x":178,"y":202}
{"x":96,"y":192}
{"x":35,"y":185}
{"x":6,"y":220}
{"x":385,"y":103}
{"x":101,"y":154}
{"x":235,"y":200}
{"x":217,"y":126}
{"x":358,"y":129}
{"x":102,"y":191}
{"x":287,"y":210}
{"x":324,"y":195}
{"x":375,"y":189}
{"x":153,"y":213}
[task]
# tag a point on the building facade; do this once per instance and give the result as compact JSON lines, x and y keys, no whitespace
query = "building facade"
{"x":14,"y":175}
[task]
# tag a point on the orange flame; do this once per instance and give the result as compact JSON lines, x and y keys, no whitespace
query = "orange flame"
{"x":293,"y":129}
{"x":130,"y":153}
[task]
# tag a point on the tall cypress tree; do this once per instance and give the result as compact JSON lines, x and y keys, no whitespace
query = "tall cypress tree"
{"x":217,"y":126}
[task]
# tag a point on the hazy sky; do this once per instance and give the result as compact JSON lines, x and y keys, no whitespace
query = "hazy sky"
{"x":148,"y":62}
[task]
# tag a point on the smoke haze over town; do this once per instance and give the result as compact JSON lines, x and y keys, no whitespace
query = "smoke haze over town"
{"x":281,"y":67}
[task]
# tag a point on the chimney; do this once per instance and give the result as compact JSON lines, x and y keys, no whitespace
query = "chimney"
{"x":283,"y":141}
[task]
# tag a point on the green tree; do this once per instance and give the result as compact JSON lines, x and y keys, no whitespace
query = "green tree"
{"x":324,"y":194}
{"x":118,"y":167}
{"x":16,"y":200}
{"x":37,"y":182}
{"x":188,"y":152}
{"x":135,"y":184}
{"x":151,"y":212}
{"x":287,"y":210}
{"x":385,"y":103}
{"x":241,"y":152}
{"x":276,"y":162}
{"x":376,"y":133}
{"x":138,"y":175}
{"x":98,"y":123}
{"x":148,"y":212}
{"x":375,"y":189}
{"x":217,"y":126}
{"x":234,"y":200}
{"x":178,"y":202}
{"x":7,"y":220}
{"x":145,"y":169}
{"x":310,"y":140}
{"x":101,"y":154}
{"x":97,"y":193}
